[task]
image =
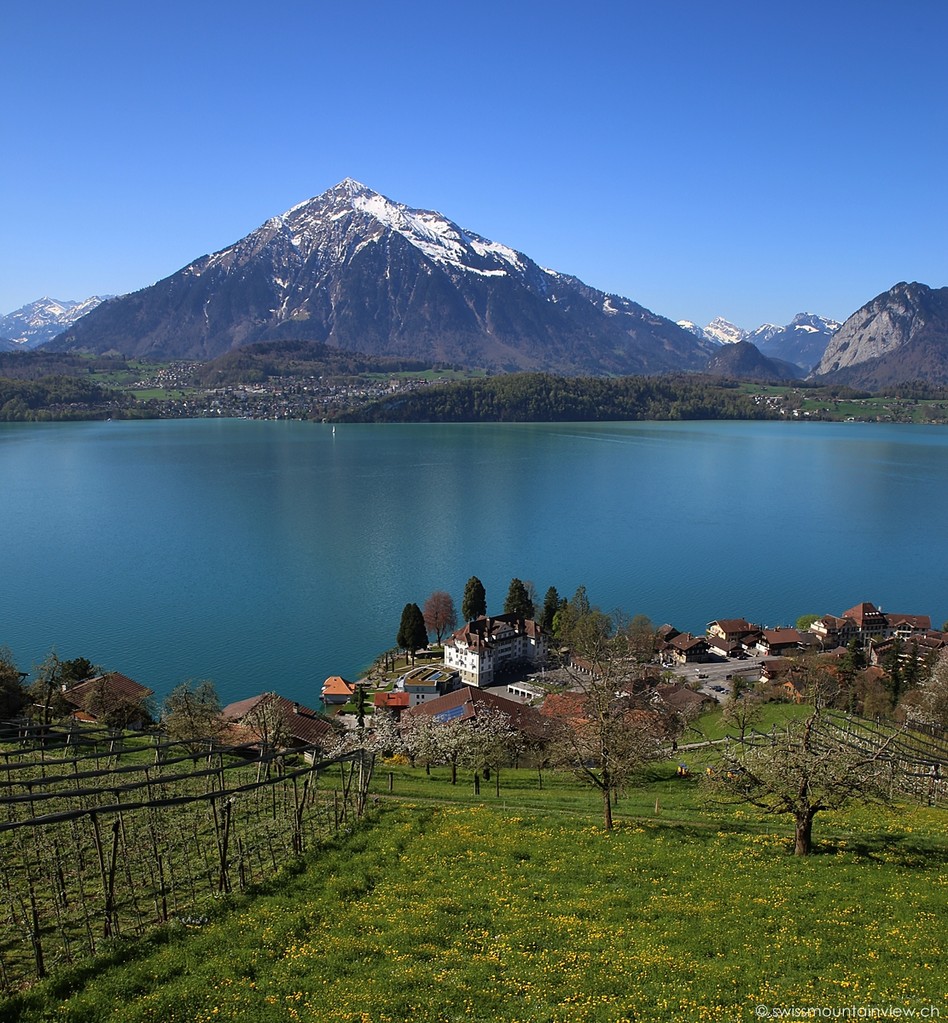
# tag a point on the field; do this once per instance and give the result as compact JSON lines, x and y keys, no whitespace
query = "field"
{"x":515,"y":905}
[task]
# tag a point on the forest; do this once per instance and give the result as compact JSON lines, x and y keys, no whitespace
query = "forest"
{"x":542,"y":397}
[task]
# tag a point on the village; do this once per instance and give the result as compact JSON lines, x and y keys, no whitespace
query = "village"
{"x":510,"y":664}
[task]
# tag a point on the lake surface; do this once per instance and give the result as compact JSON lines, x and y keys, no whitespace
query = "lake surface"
{"x":266,"y":555}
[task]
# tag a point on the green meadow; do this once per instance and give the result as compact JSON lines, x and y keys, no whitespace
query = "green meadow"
{"x":517,"y":906}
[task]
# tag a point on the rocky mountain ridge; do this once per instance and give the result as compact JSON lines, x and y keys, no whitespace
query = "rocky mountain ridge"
{"x":898,"y":337}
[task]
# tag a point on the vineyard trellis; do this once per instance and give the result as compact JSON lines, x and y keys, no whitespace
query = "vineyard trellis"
{"x":103,"y":835}
{"x":916,"y":759}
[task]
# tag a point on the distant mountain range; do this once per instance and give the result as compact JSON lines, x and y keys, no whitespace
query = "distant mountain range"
{"x":364,"y":274}
{"x":801,"y":342}
{"x":360,"y":272}
{"x":39,"y":322}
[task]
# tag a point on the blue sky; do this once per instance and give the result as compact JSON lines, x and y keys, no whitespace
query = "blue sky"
{"x":745,"y":159}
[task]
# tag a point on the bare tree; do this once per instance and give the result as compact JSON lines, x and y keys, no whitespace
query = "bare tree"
{"x":115,"y":709}
{"x":13,"y":696}
{"x":192,"y":714}
{"x":641,"y":638}
{"x":743,"y":707}
{"x":804,"y":769}
{"x":46,"y":690}
{"x":267,"y":723}
{"x":439,"y":614}
{"x":604,"y":738}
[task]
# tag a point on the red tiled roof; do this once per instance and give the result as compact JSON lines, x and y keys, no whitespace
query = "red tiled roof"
{"x":391,"y":699}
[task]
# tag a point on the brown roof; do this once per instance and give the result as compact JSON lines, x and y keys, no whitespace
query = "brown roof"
{"x":687,"y":642}
{"x":304,"y":725}
{"x":681,"y":698}
{"x":113,"y":682}
{"x":920,"y":623}
{"x":731,"y":625}
{"x":861,"y":612}
{"x":483,"y":631}
{"x":781,"y":637}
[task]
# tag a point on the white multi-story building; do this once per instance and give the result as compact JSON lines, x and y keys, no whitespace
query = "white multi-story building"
{"x":481,"y":649}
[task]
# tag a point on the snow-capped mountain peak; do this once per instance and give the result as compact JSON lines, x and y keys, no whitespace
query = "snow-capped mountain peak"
{"x":724,"y":331}
{"x":349,"y":216}
{"x":38,"y":322}
{"x":719,"y":331}
{"x":352,"y":268}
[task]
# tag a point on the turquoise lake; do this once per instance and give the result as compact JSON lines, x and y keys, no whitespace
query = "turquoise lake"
{"x":265,"y":555}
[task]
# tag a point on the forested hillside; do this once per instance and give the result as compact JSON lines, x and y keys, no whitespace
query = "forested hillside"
{"x":540,"y":397}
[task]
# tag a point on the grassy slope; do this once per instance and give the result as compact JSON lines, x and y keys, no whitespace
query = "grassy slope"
{"x":521,"y":908}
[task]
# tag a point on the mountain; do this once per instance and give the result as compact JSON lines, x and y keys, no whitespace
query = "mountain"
{"x":33,"y":325}
{"x":899,"y":337}
{"x":802,"y":342}
{"x":724,"y":332}
{"x":719,"y":331}
{"x":742,"y":361}
{"x":360,"y":272}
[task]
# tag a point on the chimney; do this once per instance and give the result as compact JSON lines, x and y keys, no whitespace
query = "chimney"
{"x":296,"y":708}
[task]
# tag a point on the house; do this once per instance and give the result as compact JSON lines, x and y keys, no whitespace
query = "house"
{"x":576,"y":710}
{"x":686,"y":649}
{"x":905,"y":626}
{"x":112,"y":696}
{"x":395,"y":702}
{"x":733,"y":630}
{"x":682,"y":700}
{"x":833,"y":631}
{"x":485,"y":648}
{"x":870,"y":621}
{"x":270,"y":718}
{"x":427,"y":683}
{"x":777,"y":642}
{"x":867,"y":624}
{"x":337,"y":691}
{"x":469,"y":702}
{"x":666,"y":632}
{"x":718,"y":646}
